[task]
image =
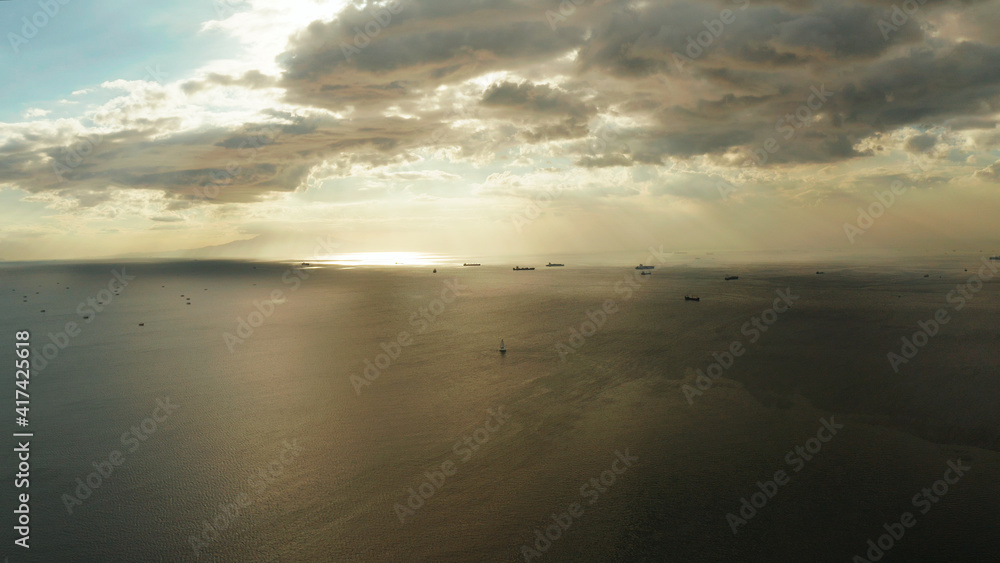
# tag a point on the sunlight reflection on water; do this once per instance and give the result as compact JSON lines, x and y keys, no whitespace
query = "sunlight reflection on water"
{"x":384,"y":259}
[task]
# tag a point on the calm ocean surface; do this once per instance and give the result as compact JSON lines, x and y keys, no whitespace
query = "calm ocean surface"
{"x":283,"y":400}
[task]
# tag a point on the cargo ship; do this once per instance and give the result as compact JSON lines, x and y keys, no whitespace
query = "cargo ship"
{"x":641,"y":267}
{"x":518,"y":268}
{"x":551,"y":265}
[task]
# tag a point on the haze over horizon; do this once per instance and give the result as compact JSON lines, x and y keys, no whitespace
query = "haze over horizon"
{"x":250,"y":129}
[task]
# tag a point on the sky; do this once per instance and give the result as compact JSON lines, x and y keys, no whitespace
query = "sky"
{"x":497,"y":127}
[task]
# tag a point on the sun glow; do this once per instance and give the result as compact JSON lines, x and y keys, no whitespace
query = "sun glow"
{"x":384,"y":259}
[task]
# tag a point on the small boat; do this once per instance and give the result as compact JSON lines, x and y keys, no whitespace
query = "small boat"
{"x":692,"y":298}
{"x":472,"y":264}
{"x":142,"y":324}
{"x":306,"y":264}
{"x":435,"y":270}
{"x":551,"y":265}
{"x":994,"y":257}
{"x":520,"y":269}
{"x":503,"y":348}
{"x":927,"y":275}
{"x":646,"y":274}
{"x":820,"y":273}
{"x":641,"y":267}
{"x":730,"y":278}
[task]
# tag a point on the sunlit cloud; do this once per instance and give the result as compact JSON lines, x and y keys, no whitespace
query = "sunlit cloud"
{"x":464,"y":114}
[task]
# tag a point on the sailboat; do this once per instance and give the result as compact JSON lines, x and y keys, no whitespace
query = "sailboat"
{"x":503,"y":348}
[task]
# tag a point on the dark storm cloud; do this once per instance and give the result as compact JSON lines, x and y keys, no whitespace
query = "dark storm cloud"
{"x":921,"y":143}
{"x":429,"y":42}
{"x":967,"y":123}
{"x":540,"y":112}
{"x":925,"y":85}
{"x":922,"y":87}
{"x":535,"y":98}
{"x":708,"y":34}
{"x":762,"y":62}
{"x":841,"y":30}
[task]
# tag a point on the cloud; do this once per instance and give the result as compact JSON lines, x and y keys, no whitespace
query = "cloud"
{"x":604,"y":161}
{"x":799,"y":99}
{"x":535,"y":98}
{"x":434,"y":175}
{"x":991,"y":172}
{"x":556,"y":89}
{"x":252,"y":79}
{"x":428,"y":43}
{"x":921,"y":143}
{"x":925,"y":85}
